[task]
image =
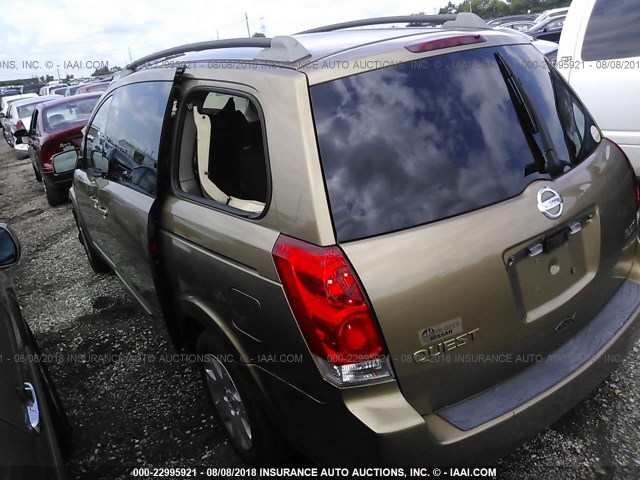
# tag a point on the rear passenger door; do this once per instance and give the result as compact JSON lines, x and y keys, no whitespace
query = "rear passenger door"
{"x":131,"y":150}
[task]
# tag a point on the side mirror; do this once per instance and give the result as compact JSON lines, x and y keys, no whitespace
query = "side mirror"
{"x":19,"y":134}
{"x":9,"y":247}
{"x":2,"y":115}
{"x":65,"y":161}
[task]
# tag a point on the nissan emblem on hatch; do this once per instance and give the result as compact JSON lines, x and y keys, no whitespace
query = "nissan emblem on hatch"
{"x":550,"y":203}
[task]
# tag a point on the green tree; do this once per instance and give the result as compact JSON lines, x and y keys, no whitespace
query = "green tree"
{"x":258,"y":34}
{"x":449,"y":8}
{"x":493,"y":8}
{"x":101,"y":71}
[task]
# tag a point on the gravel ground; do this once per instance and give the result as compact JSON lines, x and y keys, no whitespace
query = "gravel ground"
{"x":130,"y":409}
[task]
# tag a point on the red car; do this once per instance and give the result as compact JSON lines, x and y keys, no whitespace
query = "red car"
{"x":56,"y":126}
{"x":93,"y":87}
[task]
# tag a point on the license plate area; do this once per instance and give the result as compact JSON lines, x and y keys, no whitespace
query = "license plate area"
{"x":554,"y":268}
{"x":556,"y":240}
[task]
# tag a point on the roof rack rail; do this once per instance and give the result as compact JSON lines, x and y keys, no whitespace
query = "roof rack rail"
{"x":288,"y":49}
{"x":455,"y":20}
{"x":257,"y":42}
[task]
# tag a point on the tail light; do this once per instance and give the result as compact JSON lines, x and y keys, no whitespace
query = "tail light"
{"x":19,"y":125}
{"x":636,"y":186}
{"x":421,"y":46}
{"x":47,"y":151}
{"x":332,"y":312}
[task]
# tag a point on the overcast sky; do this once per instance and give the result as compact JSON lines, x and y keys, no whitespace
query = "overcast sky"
{"x":54,"y":32}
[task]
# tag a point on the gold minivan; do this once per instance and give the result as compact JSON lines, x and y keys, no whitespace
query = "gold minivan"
{"x":391,"y":245}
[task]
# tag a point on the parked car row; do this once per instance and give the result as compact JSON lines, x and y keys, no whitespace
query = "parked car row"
{"x":77,"y":89}
{"x":16,"y":108}
{"x":5,"y":103}
{"x":18,"y":118}
{"x":546,"y":26}
{"x":56,"y":127}
{"x":57,"y":89}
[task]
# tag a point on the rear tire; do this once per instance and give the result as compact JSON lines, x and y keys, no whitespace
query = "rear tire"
{"x":96,"y":262}
{"x":37,"y":173}
{"x":55,"y":196}
{"x":235,"y":398}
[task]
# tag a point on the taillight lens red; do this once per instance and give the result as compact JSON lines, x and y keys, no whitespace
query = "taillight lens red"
{"x":440,"y":43}
{"x":47,"y":151}
{"x":327,"y":302}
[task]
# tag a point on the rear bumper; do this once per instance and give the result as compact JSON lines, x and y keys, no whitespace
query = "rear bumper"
{"x":375,"y":424}
{"x":58,"y":181}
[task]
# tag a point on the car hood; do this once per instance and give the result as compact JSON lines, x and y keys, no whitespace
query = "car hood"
{"x":545,"y":46}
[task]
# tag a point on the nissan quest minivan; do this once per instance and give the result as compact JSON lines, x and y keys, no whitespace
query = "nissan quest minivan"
{"x":389,"y":245}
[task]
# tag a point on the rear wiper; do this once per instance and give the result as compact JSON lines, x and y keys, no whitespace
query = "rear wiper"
{"x":546,"y":158}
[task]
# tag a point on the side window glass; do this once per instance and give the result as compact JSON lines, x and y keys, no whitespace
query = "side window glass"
{"x":95,"y":148}
{"x":223,"y":157}
{"x":133,"y":134}
{"x":613,"y":31}
{"x":581,"y":135}
{"x":556,"y":24}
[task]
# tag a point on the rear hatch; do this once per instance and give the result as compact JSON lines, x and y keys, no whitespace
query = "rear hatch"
{"x":485,"y":216}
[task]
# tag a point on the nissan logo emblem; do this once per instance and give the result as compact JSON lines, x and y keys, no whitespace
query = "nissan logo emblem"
{"x":550,"y":203}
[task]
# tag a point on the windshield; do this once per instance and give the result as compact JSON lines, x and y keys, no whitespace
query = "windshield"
{"x":408,"y":145}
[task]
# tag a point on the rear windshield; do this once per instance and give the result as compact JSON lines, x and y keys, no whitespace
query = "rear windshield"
{"x":422,"y":141}
{"x":26,"y":110}
{"x":73,"y":111}
{"x":98,"y":87}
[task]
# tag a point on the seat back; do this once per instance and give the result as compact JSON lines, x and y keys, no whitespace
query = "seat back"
{"x":55,"y":120}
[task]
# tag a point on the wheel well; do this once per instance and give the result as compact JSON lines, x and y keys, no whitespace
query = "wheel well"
{"x":190,"y":330}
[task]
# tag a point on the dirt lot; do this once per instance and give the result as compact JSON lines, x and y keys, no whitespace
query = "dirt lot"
{"x":130,"y":409}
